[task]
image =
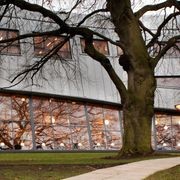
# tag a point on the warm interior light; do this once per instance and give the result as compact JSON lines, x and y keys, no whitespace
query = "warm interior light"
{"x":23,"y":99}
{"x":79,"y":144}
{"x":2,"y":144}
{"x":53,"y":120}
{"x":178,"y":144}
{"x":164,"y":144}
{"x":112,"y":144}
{"x":43,"y":144}
{"x":98,"y":144}
{"x":48,"y":44}
{"x":62,"y":144}
{"x":165,"y":127}
{"x":106,"y":122}
{"x":177,"y":106}
{"x":22,"y":144}
{"x":1,"y":38}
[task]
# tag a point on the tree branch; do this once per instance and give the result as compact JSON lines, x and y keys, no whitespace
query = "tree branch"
{"x":104,"y":61}
{"x":36,"y":8}
{"x":155,"y":7}
{"x":170,"y":43}
{"x":161,"y":26}
{"x":91,"y":14}
{"x":35,"y":34}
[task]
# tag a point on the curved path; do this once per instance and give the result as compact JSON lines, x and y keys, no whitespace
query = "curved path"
{"x":132,"y":171}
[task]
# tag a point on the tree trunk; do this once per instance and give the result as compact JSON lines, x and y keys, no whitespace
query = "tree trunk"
{"x":138,"y":104}
{"x":138,"y":111}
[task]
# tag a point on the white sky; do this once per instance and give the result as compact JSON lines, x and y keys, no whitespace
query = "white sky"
{"x":58,"y":5}
{"x":65,"y":4}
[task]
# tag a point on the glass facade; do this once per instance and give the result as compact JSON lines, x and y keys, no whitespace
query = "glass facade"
{"x":42,"y":123}
{"x":167,"y":128}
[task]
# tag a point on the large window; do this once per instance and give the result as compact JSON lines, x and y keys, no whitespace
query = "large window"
{"x":44,"y":44}
{"x":105,"y":127}
{"x":16,"y":132}
{"x":42,"y":123}
{"x":167,"y":132}
{"x":100,"y":45}
{"x":11,"y":48}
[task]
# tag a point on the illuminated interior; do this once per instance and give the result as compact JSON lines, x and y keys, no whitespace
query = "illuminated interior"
{"x":39,"y":123}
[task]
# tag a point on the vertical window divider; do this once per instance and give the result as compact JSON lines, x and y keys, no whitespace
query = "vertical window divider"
{"x":32,"y":121}
{"x":88,"y":127}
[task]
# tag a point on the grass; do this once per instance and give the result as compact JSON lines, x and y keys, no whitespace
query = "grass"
{"x":168,"y":174}
{"x":52,"y":166}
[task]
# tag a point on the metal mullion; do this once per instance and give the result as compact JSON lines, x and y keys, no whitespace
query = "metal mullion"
{"x":88,"y":127}
{"x":121,"y":124}
{"x":105,"y":129}
{"x":154,"y":132}
{"x":32,"y":122}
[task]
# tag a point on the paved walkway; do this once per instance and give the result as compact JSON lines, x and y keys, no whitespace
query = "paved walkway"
{"x":132,"y":171}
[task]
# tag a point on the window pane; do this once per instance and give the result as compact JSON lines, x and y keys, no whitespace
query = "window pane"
{"x":9,"y":48}
{"x":41,"y":111}
{"x":22,"y":135}
{"x":114,"y":140}
{"x":44,"y":137}
{"x":111,"y":119}
{"x":6,"y":135}
{"x":59,"y":113}
{"x":98,"y":139}
{"x":62,"y":138}
{"x":42,"y":45}
{"x":80,"y":138}
{"x":77,"y":114}
{"x":95,"y":117}
{"x":20,"y":108}
{"x":100,"y":45}
{"x":176,"y":132}
{"x":5,"y":108}
{"x":163,"y":130}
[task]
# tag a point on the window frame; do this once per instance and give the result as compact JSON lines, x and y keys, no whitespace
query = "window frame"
{"x":59,"y":53}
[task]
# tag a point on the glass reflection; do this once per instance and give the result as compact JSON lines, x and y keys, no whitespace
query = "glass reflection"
{"x":15,"y":123}
{"x":176,"y":132}
{"x":80,"y":138}
{"x":167,"y":132}
{"x":111,"y":119}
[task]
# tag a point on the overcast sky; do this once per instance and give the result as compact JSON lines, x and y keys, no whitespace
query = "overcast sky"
{"x":66,"y":4}
{"x":58,"y":5}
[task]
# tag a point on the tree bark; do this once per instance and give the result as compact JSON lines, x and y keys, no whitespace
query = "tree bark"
{"x":138,"y":106}
{"x":138,"y":111}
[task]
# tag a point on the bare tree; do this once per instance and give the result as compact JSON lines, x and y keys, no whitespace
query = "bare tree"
{"x":138,"y":60}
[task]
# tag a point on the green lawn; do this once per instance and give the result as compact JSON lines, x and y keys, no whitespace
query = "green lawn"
{"x":168,"y":174}
{"x":52,"y":166}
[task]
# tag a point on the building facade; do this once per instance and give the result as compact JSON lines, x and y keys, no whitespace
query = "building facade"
{"x":71,"y":104}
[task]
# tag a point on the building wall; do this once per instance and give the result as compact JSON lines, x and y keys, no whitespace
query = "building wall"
{"x":80,"y":78}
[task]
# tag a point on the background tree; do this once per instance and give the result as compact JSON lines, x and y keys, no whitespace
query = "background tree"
{"x":142,"y":50}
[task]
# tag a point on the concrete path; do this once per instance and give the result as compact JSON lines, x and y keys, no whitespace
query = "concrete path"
{"x":132,"y":171}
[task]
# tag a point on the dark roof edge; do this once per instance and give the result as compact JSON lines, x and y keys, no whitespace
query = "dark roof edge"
{"x":82,"y":99}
